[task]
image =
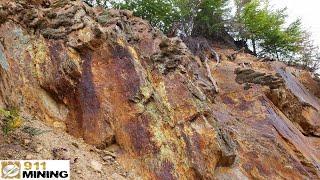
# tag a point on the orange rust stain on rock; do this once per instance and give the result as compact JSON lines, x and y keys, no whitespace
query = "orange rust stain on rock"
{"x":141,"y":137}
{"x":179,"y":98}
{"x":98,"y":88}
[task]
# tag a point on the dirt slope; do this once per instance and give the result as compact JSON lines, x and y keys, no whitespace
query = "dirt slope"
{"x":121,"y":100}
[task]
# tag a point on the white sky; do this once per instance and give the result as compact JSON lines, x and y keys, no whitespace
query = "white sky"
{"x":307,"y":10}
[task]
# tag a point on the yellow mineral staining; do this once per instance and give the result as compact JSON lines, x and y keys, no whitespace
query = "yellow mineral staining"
{"x":60,"y":125}
{"x":161,"y":90}
{"x":133,"y":52}
{"x":74,"y":55}
{"x":166,"y":140}
{"x":40,"y":51}
{"x":75,"y":58}
{"x":85,"y":34}
{"x":146,"y":91}
{"x":120,"y":42}
{"x":39,"y":55}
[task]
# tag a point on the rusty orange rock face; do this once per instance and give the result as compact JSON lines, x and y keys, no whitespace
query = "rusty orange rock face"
{"x":110,"y":78}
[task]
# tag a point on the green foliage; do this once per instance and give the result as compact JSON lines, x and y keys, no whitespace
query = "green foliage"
{"x":265,"y":28}
{"x":10,"y":120}
{"x":283,"y":43}
{"x":202,"y":17}
{"x":309,"y":54}
{"x":33,"y":131}
{"x":164,"y":14}
{"x":160,"y":13}
{"x":211,"y":14}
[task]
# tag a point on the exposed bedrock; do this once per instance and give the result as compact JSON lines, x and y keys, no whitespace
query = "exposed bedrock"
{"x":110,"y":78}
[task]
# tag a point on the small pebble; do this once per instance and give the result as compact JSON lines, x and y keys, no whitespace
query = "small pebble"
{"x":29,"y":156}
{"x":107,"y":158}
{"x":26,"y":141}
{"x":78,"y":171}
{"x":38,"y":148}
{"x":95,"y":165}
{"x":75,"y":145}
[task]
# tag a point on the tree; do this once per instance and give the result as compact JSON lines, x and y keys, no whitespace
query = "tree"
{"x":160,"y":13}
{"x":191,"y":17}
{"x":206,"y":15}
{"x":283,"y":43}
{"x":188,"y":10}
{"x":260,"y":24}
{"x":266,"y":30}
{"x":309,"y":54}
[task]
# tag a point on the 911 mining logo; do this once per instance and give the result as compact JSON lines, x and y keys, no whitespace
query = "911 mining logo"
{"x":10,"y":170}
{"x":35,"y":169}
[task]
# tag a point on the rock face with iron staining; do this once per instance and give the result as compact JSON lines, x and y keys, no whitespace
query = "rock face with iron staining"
{"x":110,"y":78}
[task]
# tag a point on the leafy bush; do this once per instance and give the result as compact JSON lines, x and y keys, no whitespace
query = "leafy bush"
{"x":10,"y":120}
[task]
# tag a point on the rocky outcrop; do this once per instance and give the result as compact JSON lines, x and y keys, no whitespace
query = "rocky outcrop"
{"x":249,"y":76}
{"x":110,"y":78}
{"x":288,"y":94}
{"x":299,"y":104}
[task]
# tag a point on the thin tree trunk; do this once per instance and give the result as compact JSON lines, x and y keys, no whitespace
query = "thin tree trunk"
{"x":254,"y":46}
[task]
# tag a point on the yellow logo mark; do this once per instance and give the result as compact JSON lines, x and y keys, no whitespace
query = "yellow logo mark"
{"x":10,"y":170}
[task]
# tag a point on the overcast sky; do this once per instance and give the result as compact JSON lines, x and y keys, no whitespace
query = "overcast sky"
{"x":307,"y":10}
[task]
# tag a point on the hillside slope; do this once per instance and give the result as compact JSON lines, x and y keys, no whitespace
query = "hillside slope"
{"x":144,"y":105}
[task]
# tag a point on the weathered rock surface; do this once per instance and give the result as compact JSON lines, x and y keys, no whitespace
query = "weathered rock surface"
{"x":251,"y":76}
{"x":110,"y":78}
